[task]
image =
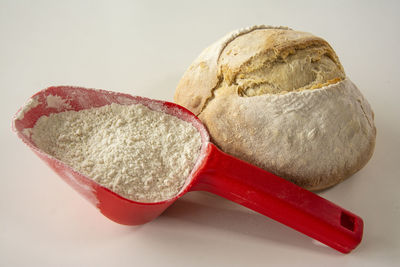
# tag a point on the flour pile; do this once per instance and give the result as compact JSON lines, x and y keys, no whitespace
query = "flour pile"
{"x":141,"y":154}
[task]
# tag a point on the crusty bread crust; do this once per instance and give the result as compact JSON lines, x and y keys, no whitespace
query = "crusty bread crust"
{"x":203,"y":76}
{"x":315,"y":137}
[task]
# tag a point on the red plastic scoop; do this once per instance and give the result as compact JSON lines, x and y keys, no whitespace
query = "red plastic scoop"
{"x":215,"y":172}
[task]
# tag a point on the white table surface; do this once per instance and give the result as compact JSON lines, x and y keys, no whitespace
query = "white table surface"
{"x":143,"y":48}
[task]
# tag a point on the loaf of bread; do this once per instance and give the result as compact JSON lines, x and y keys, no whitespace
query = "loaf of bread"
{"x":280,"y":99}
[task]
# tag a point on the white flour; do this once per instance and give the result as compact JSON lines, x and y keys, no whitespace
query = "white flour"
{"x":30,"y":104}
{"x":141,"y":154}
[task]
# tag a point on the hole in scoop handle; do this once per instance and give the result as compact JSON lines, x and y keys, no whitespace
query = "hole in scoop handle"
{"x":279,"y":199}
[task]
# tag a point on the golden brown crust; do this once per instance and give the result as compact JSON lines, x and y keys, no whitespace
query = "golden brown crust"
{"x":275,"y":43}
{"x":314,"y":135}
{"x":196,"y":87}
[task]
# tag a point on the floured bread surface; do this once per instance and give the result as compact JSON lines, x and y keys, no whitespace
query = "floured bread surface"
{"x":280,"y":99}
{"x":139,"y":153}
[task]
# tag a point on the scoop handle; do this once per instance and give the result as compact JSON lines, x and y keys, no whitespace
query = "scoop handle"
{"x":278,"y":199}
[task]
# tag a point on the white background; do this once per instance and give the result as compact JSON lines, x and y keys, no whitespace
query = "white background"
{"x":143,"y":48}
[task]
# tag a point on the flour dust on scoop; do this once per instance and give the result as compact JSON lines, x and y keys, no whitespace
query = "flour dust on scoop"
{"x":140,"y":154}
